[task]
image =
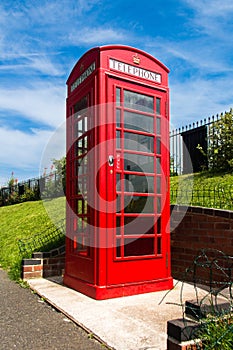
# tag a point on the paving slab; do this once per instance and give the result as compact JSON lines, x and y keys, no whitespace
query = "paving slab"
{"x":137,"y":322}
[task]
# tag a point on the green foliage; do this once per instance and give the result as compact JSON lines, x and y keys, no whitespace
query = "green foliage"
{"x":60,"y":166}
{"x":220,"y":149}
{"x":55,"y":184}
{"x":217,"y":333}
{"x":11,"y":194}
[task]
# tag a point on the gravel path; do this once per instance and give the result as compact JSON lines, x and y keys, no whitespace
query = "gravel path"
{"x":28,"y":323}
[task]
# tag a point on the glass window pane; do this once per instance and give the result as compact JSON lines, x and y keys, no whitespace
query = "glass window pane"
{"x":158,"y":205}
{"x":81,"y":146}
{"x":158,"y":105}
{"x":158,"y":126}
{"x":158,"y":187}
{"x":159,"y":248}
{"x":139,"y":163}
{"x":138,"y":142}
{"x":158,"y":165}
{"x":118,"y":225}
{"x":118,"y":183}
{"x":136,"y":121}
{"x":138,"y":225}
{"x":82,"y":185}
{"x":138,"y":101}
{"x":118,"y":96}
{"x":84,"y":206}
{"x":80,"y":224}
{"x":136,"y":183}
{"x":158,"y":145}
{"x":159,"y":225}
{"x":118,"y":248}
{"x":82,"y":169}
{"x":80,"y":105}
{"x":118,"y":118}
{"x":139,"y":204}
{"x":138,"y":247}
{"x":118,"y":204}
{"x":79,"y":210}
{"x":118,"y":139}
{"x":77,"y":132}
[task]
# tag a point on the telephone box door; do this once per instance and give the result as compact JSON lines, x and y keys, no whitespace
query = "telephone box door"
{"x":139,"y":192}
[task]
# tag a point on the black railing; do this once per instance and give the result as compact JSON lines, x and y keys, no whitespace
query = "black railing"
{"x":52,"y":237}
{"x":212,"y":196}
{"x":185,"y":155}
{"x":33,"y":189}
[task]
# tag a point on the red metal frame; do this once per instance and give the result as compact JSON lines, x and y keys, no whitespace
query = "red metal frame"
{"x":105,"y":256}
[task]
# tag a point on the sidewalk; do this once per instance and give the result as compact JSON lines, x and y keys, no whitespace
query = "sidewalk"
{"x":29,"y":323}
{"x":136,"y":322}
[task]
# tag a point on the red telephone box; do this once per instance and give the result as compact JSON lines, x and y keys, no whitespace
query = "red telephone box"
{"x":118,"y":239}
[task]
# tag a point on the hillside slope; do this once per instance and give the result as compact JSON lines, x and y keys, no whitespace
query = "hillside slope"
{"x":21,"y":221}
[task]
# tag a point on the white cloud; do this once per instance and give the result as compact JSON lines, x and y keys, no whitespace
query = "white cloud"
{"x":100,"y":35}
{"x":29,"y":153}
{"x":45,"y":104}
{"x":198,"y":99}
{"x":24,"y":149}
{"x":43,"y":64}
{"x":212,"y":18}
{"x":196,"y":54}
{"x":22,"y":63}
{"x":213,"y":8}
{"x":21,"y":153}
{"x":87,"y":5}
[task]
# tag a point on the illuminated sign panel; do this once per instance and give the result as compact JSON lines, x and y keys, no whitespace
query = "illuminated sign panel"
{"x":136,"y":71}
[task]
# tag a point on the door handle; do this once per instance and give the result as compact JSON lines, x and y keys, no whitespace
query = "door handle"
{"x":110,"y":160}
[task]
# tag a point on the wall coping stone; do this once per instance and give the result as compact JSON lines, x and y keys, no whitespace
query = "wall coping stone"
{"x":31,"y":262}
{"x":182,"y":329}
{"x":52,"y":253}
{"x":203,"y":210}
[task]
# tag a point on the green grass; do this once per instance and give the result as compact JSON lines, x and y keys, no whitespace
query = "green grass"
{"x":21,"y":221}
{"x":203,"y":189}
{"x":24,"y":220}
{"x":217,"y":332}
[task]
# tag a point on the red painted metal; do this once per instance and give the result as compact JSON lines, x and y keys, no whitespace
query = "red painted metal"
{"x":110,"y":251}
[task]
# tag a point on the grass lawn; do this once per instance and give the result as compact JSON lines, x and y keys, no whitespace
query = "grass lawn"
{"x":21,"y":221}
{"x":203,"y":189}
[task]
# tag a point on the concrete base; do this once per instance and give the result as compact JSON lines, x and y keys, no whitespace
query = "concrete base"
{"x":116,"y":291}
{"x":131,"y":323}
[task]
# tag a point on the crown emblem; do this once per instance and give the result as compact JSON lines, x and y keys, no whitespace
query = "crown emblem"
{"x":81,"y":68}
{"x":136,"y":59}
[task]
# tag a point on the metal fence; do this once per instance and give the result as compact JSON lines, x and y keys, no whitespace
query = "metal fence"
{"x":212,"y":270}
{"x":52,"y":237}
{"x":185,"y":155}
{"x":212,"y":196}
{"x":31,"y":189}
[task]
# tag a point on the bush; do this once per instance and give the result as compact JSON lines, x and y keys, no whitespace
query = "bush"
{"x":217,"y":332}
{"x":220,"y":149}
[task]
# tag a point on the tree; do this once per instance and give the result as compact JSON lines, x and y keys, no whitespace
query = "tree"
{"x":60,"y":166}
{"x":220,"y":144}
{"x":55,"y":182}
{"x":220,"y":150}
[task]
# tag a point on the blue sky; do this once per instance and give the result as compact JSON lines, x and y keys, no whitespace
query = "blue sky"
{"x":40,"y":41}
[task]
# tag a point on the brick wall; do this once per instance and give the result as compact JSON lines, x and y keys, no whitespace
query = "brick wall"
{"x":200,"y":228}
{"x":44,"y":264}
